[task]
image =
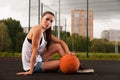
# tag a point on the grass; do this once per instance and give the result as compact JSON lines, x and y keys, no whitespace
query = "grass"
{"x":6,"y":54}
{"x":81,"y":56}
{"x":94,"y":56}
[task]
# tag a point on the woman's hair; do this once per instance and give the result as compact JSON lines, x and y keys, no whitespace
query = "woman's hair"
{"x":48,"y":31}
{"x":47,"y":12}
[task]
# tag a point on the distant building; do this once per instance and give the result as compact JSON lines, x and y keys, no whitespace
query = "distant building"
{"x":105,"y":34}
{"x":79,"y":22}
{"x":111,"y":35}
{"x":25,"y":29}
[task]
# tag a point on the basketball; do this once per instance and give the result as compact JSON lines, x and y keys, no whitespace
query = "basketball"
{"x":69,"y":63}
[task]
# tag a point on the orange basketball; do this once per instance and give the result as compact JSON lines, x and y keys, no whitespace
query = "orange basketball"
{"x":69,"y":63}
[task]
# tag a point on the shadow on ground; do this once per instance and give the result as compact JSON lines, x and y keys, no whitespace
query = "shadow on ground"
{"x":104,"y":70}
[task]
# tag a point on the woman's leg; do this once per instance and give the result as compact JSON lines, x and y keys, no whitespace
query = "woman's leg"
{"x":55,"y":48}
{"x":52,"y":65}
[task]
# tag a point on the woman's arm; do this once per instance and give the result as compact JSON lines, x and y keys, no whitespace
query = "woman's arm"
{"x":36,"y":36}
{"x":35,"y":45}
{"x":63,"y":44}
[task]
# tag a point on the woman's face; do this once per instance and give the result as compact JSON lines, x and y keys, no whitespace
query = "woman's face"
{"x":47,"y":21}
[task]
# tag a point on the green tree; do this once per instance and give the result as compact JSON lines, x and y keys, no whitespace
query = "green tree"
{"x":19,"y":41}
{"x":64,"y":35}
{"x":77,"y":43}
{"x":14,"y":27}
{"x":101,"y":45}
{"x":4,"y":38}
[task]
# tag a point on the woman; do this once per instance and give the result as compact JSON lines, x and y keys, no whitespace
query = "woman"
{"x":37,"y":51}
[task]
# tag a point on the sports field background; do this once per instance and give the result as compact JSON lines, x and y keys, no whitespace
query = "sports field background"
{"x":81,"y":56}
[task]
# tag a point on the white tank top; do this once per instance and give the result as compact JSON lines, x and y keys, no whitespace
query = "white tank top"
{"x":27,"y":51}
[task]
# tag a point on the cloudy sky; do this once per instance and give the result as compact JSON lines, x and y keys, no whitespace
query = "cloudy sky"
{"x":106,"y":12}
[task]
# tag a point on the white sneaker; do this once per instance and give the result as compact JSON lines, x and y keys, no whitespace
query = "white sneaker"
{"x":85,"y":71}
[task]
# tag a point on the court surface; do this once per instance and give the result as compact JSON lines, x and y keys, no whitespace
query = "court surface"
{"x":104,"y":70}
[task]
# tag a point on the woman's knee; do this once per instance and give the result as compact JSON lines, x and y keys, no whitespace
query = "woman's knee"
{"x":58,"y":46}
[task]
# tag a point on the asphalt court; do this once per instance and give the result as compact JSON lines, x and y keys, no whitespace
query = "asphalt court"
{"x":104,"y":70}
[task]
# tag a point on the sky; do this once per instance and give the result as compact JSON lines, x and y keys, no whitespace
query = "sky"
{"x":106,"y":12}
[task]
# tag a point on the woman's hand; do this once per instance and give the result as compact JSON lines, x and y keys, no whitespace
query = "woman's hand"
{"x":24,"y":73}
{"x":72,"y":53}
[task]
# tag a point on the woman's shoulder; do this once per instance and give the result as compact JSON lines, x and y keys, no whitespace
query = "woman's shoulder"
{"x":36,"y":28}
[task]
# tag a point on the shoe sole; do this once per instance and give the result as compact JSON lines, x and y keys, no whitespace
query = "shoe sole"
{"x":86,"y":71}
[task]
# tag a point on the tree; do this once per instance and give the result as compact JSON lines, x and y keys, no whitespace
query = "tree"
{"x":64,"y":35}
{"x":19,"y":41}
{"x":4,"y":38}
{"x":77,"y":43}
{"x":101,"y":45}
{"x":14,"y":27}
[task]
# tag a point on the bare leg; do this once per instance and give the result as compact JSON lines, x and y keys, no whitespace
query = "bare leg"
{"x":52,"y":65}
{"x":55,"y":48}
